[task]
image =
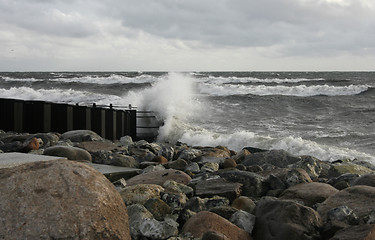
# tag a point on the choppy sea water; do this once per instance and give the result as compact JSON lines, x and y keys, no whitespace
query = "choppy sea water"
{"x":329,"y":115}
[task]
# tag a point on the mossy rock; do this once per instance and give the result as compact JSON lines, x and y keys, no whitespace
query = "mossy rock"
{"x":342,"y":168}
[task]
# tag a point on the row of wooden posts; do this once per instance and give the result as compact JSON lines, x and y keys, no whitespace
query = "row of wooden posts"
{"x":40,"y":116}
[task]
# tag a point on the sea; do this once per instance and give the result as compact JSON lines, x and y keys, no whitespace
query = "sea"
{"x":328,"y":115}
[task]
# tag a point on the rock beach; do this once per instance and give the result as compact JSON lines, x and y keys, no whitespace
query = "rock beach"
{"x":179,"y":192}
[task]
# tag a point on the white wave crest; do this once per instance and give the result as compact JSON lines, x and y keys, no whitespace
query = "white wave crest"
{"x":262,"y":90}
{"x":225,"y":80}
{"x":61,"y":96}
{"x":93,"y":79}
{"x":294,"y":145}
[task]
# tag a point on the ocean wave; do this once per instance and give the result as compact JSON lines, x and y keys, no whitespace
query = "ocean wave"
{"x":69,"y":96}
{"x":295,"y":145}
{"x":94,"y":79}
{"x":243,"y":80}
{"x":262,"y":90}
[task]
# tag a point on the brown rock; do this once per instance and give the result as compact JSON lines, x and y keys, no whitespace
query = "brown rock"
{"x":361,"y":199}
{"x":204,"y":221}
{"x":160,"y":159}
{"x":158,"y":208}
{"x":218,"y":152}
{"x":244,"y":203}
{"x":309,"y":193}
{"x":159,"y":177}
{"x":33,"y":144}
{"x":239,"y":157}
{"x":361,"y":232}
{"x":211,"y":235}
{"x":229,"y":163}
{"x":60,"y":200}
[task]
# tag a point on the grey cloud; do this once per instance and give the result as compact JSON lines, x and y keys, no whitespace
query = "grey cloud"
{"x":46,"y":17}
{"x":302,"y":27}
{"x":309,"y":25}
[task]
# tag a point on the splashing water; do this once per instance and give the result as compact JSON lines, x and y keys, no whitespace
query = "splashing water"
{"x":174,"y":100}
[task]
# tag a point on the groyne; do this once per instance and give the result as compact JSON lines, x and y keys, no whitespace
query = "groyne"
{"x":41,"y":116}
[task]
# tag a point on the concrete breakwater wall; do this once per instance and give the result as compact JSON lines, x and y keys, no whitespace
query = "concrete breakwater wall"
{"x":40,"y":116}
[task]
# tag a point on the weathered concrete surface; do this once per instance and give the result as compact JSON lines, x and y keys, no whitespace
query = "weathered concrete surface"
{"x":8,"y":160}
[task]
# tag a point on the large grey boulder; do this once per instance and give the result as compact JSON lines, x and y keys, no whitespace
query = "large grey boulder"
{"x":285,"y":220}
{"x":81,"y":136}
{"x":71,"y":153}
{"x":278,"y":158}
{"x":60,"y":199}
{"x":361,"y":199}
{"x":309,"y":193}
{"x":252,"y":183}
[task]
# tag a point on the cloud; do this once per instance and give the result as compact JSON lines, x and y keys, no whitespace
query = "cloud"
{"x":174,"y":34}
{"x":328,"y":25}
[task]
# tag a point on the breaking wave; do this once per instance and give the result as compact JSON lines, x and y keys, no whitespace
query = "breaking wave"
{"x":300,"y":90}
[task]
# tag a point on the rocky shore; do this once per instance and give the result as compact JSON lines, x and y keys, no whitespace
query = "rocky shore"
{"x":180,"y":192}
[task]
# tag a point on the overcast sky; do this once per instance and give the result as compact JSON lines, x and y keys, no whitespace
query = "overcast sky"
{"x":186,"y":35}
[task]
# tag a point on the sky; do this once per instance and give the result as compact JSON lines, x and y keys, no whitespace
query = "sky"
{"x":180,"y":35}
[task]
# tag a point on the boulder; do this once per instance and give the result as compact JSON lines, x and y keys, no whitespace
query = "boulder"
{"x":32,"y":144}
{"x":361,"y":199}
{"x":224,"y":211}
{"x":179,"y":164}
{"x":229,"y":163}
{"x":278,"y":158}
{"x":252,"y":183}
{"x":244,"y":203}
{"x":285,"y":220}
{"x":60,"y":200}
{"x":311,"y":165}
{"x":342,"y":214}
{"x":154,"y":229}
{"x":192,"y":167}
{"x":210,"y":167}
{"x":140,"y":193}
{"x":243,"y":220}
{"x":361,"y":232}
{"x":158,"y":208}
{"x":338,"y":169}
{"x":71,"y":153}
{"x":48,"y":139}
{"x":289,"y":177}
{"x":204,"y":221}
{"x":159,"y":177}
{"x":189,"y":154}
{"x":81,"y":136}
{"x":309,"y":193}
{"x":367,"y":179}
{"x":212,"y":235}
{"x":343,"y":181}
{"x":159,"y":159}
{"x":178,"y":187}
{"x":113,"y":158}
{"x":137,"y":214}
{"x":215,"y":152}
{"x":126,"y":141}
{"x":219,"y":187}
{"x":240,"y":156}
{"x":97,"y":146}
